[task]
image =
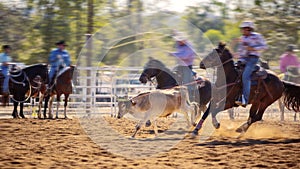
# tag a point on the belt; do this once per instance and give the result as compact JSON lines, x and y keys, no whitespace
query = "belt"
{"x":253,"y":56}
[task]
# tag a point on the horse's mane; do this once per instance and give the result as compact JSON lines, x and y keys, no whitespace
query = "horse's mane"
{"x":222,"y":47}
{"x":63,"y":70}
{"x":35,"y":65}
{"x":156,"y":64}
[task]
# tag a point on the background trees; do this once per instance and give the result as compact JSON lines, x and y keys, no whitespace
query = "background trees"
{"x":32,"y":27}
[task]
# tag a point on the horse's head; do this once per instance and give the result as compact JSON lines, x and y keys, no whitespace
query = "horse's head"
{"x":217,"y":57}
{"x":152,"y":68}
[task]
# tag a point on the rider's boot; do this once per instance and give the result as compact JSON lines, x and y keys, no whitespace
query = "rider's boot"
{"x":241,"y":101}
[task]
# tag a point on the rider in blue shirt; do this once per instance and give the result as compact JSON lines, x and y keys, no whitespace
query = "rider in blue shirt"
{"x":250,"y":46}
{"x":58,"y":58}
{"x":4,"y":60}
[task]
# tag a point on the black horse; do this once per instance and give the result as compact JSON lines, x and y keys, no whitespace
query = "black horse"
{"x":25,"y":83}
{"x":62,"y":86}
{"x":167,"y":79}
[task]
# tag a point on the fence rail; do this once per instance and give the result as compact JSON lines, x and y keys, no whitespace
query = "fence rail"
{"x":100,"y":92}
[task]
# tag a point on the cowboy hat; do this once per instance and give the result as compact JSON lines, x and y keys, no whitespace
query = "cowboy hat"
{"x":180,"y":37}
{"x":62,"y":42}
{"x":291,"y":48}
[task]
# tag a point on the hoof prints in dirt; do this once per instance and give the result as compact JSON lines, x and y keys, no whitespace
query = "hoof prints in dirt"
{"x":33,"y":143}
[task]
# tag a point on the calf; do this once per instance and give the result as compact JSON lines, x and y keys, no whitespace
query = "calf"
{"x":159,"y":103}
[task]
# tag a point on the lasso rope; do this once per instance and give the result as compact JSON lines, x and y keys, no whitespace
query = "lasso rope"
{"x":21,"y":83}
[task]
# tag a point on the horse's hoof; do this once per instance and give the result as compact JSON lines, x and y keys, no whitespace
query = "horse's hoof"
{"x":243,"y":128}
{"x":194,"y":133}
{"x":217,"y":125}
{"x":239,"y":130}
{"x":148,"y":123}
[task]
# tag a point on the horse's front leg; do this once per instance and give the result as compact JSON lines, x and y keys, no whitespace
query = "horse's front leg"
{"x":50,"y":107}
{"x":21,"y":110}
{"x":201,"y":121}
{"x":46,"y":106}
{"x":15,"y":111}
{"x":41,"y":98}
{"x":65,"y":105}
{"x":253,"y":117}
{"x":57,"y":106}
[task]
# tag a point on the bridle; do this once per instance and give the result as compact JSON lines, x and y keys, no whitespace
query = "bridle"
{"x":149,"y":78}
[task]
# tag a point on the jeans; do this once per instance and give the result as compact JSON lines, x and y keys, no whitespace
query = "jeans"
{"x":250,"y":64}
{"x":6,"y":79}
{"x":52,"y":72}
{"x":186,"y":78}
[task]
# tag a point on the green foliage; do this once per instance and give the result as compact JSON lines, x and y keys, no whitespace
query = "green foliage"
{"x":33,"y":28}
{"x":214,"y":35}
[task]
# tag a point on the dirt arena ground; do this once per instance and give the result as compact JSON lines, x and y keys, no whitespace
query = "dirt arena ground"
{"x":33,"y":143}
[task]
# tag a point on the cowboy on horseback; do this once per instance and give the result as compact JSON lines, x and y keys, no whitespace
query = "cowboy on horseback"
{"x":185,"y":56}
{"x":250,"y":45}
{"x":58,"y":59}
{"x":5,"y":59}
{"x":289,"y":64}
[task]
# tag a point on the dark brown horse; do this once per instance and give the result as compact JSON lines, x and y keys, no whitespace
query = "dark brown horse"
{"x":26,"y":83}
{"x":167,"y":79}
{"x":263,"y":94}
{"x":62,"y":86}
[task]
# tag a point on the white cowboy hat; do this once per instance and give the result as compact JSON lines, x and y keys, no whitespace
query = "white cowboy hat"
{"x":246,"y":24}
{"x":180,"y":37}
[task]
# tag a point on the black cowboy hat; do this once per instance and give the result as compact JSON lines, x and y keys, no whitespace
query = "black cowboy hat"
{"x":6,"y":47}
{"x":62,"y":42}
{"x":291,"y":48}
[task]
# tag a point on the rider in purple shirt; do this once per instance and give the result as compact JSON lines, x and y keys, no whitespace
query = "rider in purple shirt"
{"x":185,"y":57}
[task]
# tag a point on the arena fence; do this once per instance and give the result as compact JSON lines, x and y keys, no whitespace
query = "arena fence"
{"x":98,"y":89}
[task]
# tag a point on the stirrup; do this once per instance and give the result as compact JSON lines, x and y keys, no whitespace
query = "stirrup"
{"x":241,"y":102}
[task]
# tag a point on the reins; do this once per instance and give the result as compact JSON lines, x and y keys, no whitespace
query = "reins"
{"x":21,"y":83}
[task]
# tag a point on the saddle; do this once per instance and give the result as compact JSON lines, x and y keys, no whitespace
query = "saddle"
{"x":259,"y":73}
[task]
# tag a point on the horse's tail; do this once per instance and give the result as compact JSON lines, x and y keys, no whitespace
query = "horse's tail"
{"x":291,"y":96}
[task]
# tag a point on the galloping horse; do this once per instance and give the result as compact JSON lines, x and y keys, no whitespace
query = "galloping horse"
{"x":62,"y":85}
{"x":263,"y":94}
{"x":25,"y":83}
{"x":167,"y":79}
